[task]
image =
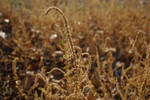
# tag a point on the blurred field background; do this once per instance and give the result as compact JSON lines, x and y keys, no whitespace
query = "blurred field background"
{"x":111,"y":42}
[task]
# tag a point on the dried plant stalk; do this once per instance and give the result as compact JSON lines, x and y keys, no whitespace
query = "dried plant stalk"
{"x":67,"y":28}
{"x":18,"y":82}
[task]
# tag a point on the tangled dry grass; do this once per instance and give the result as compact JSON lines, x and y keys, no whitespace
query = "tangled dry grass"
{"x":100,"y":51}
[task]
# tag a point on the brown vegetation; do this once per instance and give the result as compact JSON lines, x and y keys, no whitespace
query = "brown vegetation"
{"x":91,"y":50}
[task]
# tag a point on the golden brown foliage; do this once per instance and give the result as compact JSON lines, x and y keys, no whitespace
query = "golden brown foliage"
{"x":106,"y":57}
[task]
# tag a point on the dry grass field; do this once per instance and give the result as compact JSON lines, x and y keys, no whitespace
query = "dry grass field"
{"x":74,"y":50}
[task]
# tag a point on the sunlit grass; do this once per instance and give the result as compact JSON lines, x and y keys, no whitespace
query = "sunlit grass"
{"x":92,"y":50}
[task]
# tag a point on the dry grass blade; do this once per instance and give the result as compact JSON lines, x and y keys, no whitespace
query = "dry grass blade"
{"x":67,"y":28}
{"x":18,"y":82}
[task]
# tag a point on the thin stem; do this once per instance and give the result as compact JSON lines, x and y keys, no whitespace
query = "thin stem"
{"x":67,"y":28}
